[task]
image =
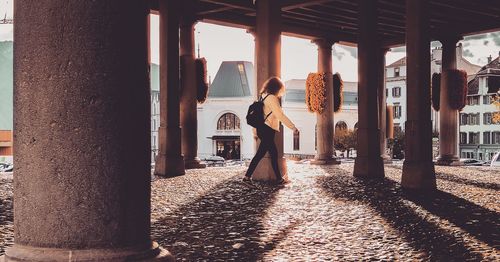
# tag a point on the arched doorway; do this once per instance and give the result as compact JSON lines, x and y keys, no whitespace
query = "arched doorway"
{"x":227,"y":140}
{"x":340,"y":125}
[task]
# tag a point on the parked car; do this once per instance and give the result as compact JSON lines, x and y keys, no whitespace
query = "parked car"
{"x":215,"y":161}
{"x":471,"y":162}
{"x":6,"y":167}
{"x":495,"y":161}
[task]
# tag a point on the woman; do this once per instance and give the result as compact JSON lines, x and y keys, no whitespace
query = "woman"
{"x":272,"y":89}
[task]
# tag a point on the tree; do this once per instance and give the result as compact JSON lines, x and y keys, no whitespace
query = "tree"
{"x":496,"y":115}
{"x":344,"y":140}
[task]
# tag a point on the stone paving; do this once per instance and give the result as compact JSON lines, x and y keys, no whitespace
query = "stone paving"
{"x":324,"y":214}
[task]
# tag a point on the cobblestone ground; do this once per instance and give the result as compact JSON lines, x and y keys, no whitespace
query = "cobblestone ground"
{"x":323,"y":214}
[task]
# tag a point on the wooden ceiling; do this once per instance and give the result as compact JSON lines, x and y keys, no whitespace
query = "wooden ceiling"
{"x":337,"y":19}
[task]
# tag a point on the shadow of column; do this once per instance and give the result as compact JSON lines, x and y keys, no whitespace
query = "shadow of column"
{"x":421,"y":232}
{"x":226,"y":224}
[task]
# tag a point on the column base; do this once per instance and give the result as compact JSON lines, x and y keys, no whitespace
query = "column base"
{"x":265,"y":172}
{"x":193,"y":164}
{"x":386,"y":158}
{"x":448,"y":160}
{"x":169,"y":166}
{"x":326,"y":161}
{"x":20,"y":253}
{"x":369,"y":167}
{"x":418,"y":175}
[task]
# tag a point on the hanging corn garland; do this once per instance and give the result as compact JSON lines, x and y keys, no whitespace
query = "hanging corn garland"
{"x":316,"y":92}
{"x":436,"y":90}
{"x":389,"y":123}
{"x":457,"y":88}
{"x":338,"y":87}
{"x":201,"y":80}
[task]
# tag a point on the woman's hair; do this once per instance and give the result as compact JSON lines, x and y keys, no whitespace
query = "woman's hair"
{"x":273,"y":86}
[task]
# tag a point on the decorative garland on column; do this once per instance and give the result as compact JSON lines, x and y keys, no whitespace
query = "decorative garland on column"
{"x":201,"y":80}
{"x":457,"y":88}
{"x":436,"y":90}
{"x":316,"y":92}
{"x":338,"y":87}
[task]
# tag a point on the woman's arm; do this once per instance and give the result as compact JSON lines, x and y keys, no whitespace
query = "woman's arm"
{"x":276,"y":110}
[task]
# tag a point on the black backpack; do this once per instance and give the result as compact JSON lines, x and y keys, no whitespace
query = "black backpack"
{"x":255,"y":114}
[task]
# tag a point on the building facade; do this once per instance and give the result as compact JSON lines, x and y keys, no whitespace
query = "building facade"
{"x":396,"y":84}
{"x":221,"y":119}
{"x":479,"y":134}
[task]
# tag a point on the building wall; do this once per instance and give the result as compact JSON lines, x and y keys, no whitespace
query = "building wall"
{"x":155,"y":123}
{"x":6,"y":143}
{"x":482,"y":150}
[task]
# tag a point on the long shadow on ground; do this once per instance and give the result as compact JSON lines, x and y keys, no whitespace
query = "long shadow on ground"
{"x":223,"y":225}
{"x":423,"y":233}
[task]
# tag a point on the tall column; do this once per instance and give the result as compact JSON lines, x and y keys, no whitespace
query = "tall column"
{"x":448,"y":117}
{"x":268,"y":64}
{"x":418,"y":168}
{"x":368,"y":163}
{"x":189,"y":114}
{"x":324,"y":121}
{"x":169,"y":161}
{"x":82,"y":183}
{"x":382,"y":104}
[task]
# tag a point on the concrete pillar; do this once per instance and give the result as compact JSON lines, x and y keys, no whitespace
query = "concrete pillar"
{"x":169,"y":161}
{"x":382,"y":104}
{"x":368,"y":162}
{"x":418,"y":168}
{"x":268,"y":64}
{"x":189,"y":114}
{"x":82,"y":133}
{"x":448,"y":117}
{"x":324,"y":121}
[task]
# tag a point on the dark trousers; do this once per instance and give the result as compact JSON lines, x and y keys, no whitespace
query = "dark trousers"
{"x":266,"y":136}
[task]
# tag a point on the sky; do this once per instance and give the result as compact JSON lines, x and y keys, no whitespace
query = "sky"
{"x":298,"y":56}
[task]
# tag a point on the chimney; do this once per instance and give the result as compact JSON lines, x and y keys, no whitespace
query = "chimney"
{"x":489,"y":58}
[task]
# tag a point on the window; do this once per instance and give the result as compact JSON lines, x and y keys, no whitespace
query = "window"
{"x":487,"y":100}
{"x":396,"y":71}
{"x":228,"y":121}
{"x":396,"y":91}
{"x":397,"y":110}
{"x":472,"y":100}
{"x":487,"y":118}
{"x":495,"y":138}
{"x":486,"y":137}
{"x":296,"y":141}
{"x":463,"y":119}
{"x":463,"y":138}
{"x":243,"y":76}
{"x":473,"y":137}
{"x":387,"y":92}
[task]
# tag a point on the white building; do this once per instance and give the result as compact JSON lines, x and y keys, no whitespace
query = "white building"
{"x":222,"y":128}
{"x":479,"y":135}
{"x":155,"y":109}
{"x":396,"y":84}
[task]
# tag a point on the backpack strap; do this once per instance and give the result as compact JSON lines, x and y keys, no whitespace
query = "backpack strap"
{"x":267,"y":116}
{"x":262,"y":99}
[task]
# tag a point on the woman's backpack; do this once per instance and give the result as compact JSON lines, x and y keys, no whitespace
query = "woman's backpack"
{"x":255,"y":114}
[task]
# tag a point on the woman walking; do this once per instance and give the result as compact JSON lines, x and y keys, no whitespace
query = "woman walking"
{"x":271,"y":91}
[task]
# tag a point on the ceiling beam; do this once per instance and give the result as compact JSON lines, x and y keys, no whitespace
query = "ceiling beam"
{"x":301,"y":3}
{"x":243,"y":5}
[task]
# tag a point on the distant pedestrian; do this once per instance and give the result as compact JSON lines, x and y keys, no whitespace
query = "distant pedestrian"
{"x":271,"y":91}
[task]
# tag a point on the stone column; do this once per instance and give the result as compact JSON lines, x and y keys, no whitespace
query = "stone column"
{"x":169,"y":161}
{"x":368,"y":163}
{"x":189,"y":114}
{"x":382,"y":104}
{"x":82,"y":133}
{"x":418,"y":168}
{"x":268,"y":64}
{"x":324,"y":121}
{"x":448,"y":117}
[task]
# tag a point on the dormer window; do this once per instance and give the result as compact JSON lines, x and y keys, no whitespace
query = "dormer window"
{"x":396,"y":71}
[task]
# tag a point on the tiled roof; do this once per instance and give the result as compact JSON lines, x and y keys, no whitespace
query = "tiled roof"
{"x":492,"y":71}
{"x":400,"y":62}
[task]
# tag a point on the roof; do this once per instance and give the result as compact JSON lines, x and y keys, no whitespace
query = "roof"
{"x":234,"y":79}
{"x":492,"y":71}
{"x":338,"y":19}
{"x":6,"y":85}
{"x":400,"y":62}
